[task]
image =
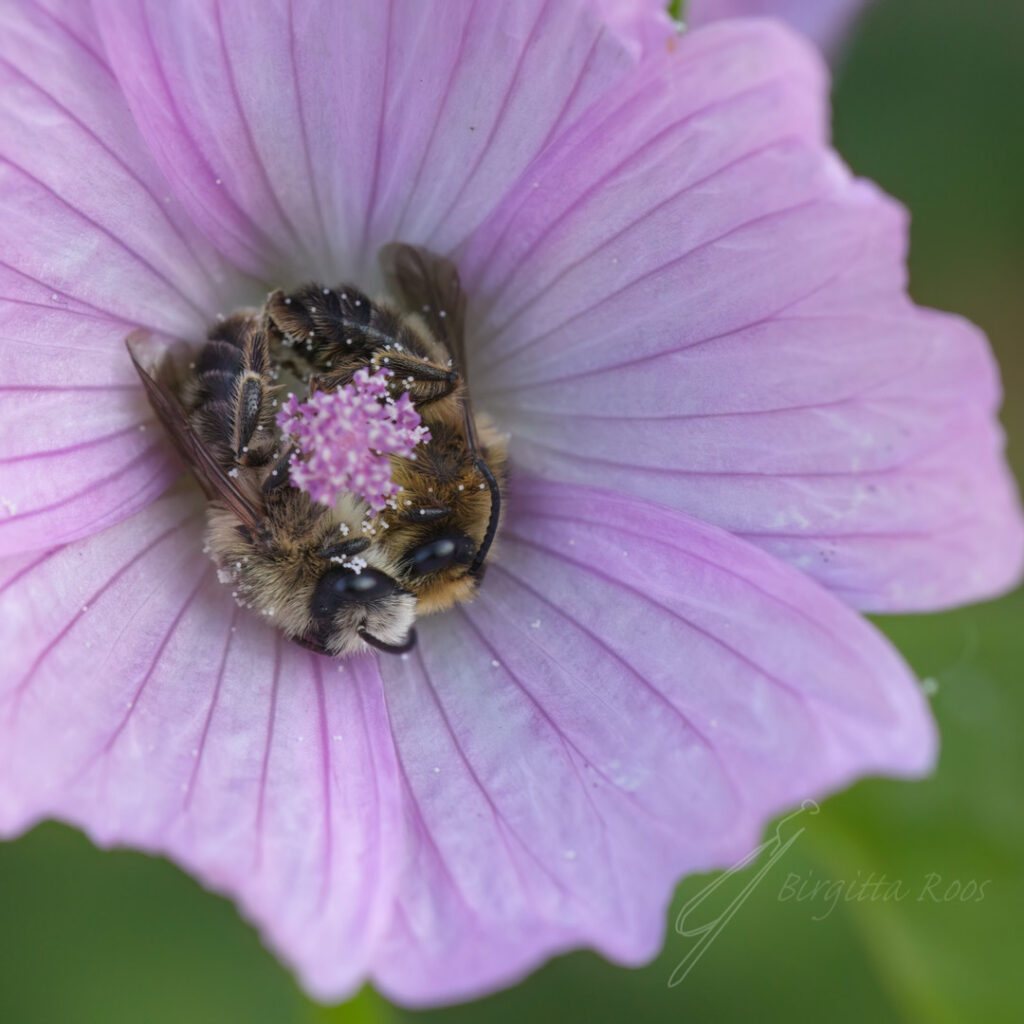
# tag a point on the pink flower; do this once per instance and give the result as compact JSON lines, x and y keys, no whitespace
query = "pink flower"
{"x":730,"y":428}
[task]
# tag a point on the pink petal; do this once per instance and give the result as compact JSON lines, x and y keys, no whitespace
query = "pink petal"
{"x":824,"y":21}
{"x":429,"y":113}
{"x":631,"y":696}
{"x":137,"y":702}
{"x":689,"y":298}
{"x":81,"y":449}
{"x":92,"y":245}
{"x":86,"y":213}
{"x":645,"y":24}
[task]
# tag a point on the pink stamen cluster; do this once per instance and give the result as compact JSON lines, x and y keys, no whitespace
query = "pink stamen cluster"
{"x":344,"y":438}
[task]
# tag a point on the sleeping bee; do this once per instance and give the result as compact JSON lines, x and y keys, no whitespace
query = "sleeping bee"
{"x":339,"y":579}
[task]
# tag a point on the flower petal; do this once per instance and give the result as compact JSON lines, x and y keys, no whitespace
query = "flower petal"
{"x":710,"y":312}
{"x":81,"y":448}
{"x":646,"y":24}
{"x":92,"y":245}
{"x":87,"y":216}
{"x":306,"y":137}
{"x":139,"y":703}
{"x":631,"y":696}
{"x":824,"y":21}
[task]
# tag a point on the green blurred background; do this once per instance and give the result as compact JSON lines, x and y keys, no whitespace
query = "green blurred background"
{"x":929,"y":101}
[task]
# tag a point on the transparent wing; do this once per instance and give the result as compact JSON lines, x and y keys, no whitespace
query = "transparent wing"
{"x":217,"y":485}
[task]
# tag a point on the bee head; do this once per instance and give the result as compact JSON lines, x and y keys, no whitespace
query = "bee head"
{"x":351,"y":607}
{"x":440,"y":552}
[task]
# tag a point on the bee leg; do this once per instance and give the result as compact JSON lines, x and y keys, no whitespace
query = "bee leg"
{"x":322,"y":324}
{"x":278,"y":476}
{"x":425,"y":381}
{"x":251,"y":409}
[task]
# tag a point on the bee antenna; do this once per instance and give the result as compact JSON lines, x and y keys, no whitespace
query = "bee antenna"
{"x":492,"y":521}
{"x":406,"y":645}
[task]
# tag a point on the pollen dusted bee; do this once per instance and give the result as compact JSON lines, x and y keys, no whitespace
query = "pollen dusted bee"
{"x":336,"y":579}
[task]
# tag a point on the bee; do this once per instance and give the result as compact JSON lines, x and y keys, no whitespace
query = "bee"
{"x":339,"y":579}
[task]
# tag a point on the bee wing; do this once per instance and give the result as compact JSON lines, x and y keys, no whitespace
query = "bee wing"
{"x":215,"y":482}
{"x":429,"y":285}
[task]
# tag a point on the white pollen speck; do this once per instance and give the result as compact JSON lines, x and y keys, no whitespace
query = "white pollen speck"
{"x":625,"y":554}
{"x":326,"y":291}
{"x":233,"y":472}
{"x":496,"y":664}
{"x":85,"y":607}
{"x":436,"y":768}
{"x":535,"y":624}
{"x":88,"y":643}
{"x":218,"y":181}
{"x":572,"y":543}
{"x":483,"y":487}
{"x":426,"y":309}
{"x":441,"y":313}
{"x":142,"y":426}
{"x":930,"y":686}
{"x":569,"y":855}
{"x":358,"y":302}
{"x":9,"y":507}
{"x":462,"y":487}
{"x":287,"y":302}
{"x":405,"y":657}
{"x":54,"y":297}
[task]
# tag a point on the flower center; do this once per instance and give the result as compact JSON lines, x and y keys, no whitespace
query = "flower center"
{"x":344,"y":437}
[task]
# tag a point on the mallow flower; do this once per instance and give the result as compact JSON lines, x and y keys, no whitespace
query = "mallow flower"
{"x":730,"y":433}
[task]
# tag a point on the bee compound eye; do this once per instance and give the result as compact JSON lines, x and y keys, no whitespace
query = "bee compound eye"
{"x":440,"y":553}
{"x":344,"y":586}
